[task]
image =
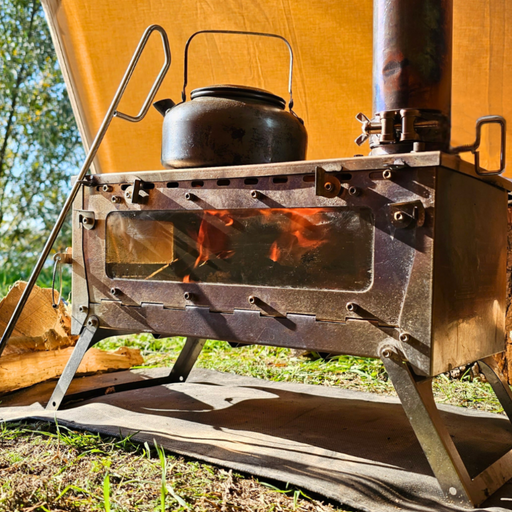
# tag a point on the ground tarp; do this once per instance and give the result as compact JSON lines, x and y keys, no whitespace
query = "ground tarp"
{"x":356,"y":448}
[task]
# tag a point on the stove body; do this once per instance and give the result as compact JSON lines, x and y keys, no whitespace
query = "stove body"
{"x":410,"y":251}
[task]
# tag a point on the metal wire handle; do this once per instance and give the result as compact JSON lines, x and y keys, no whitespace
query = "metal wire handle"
{"x":241,"y":32}
{"x":111,"y":113}
{"x":57,"y":266}
{"x":474,"y":147}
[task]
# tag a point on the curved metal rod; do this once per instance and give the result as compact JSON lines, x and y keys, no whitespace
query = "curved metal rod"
{"x":241,"y":32}
{"x":131,"y":67}
{"x":474,"y":147}
{"x":88,"y":161}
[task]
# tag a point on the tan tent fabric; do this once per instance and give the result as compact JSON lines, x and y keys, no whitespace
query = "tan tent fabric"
{"x":332,"y":40}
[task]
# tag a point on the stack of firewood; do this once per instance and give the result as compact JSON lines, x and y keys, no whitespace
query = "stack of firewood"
{"x":42,"y":343}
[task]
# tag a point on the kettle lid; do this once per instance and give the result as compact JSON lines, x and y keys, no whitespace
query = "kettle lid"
{"x":238,"y":92}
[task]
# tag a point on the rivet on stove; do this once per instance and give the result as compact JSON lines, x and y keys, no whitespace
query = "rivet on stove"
{"x":114,"y":291}
{"x":354,"y":191}
{"x":92,"y":322}
{"x":189,"y":196}
{"x":252,"y":299}
{"x":328,"y":186}
{"x":404,"y":337}
{"x":387,"y":174}
{"x":351,"y":306}
{"x":399,"y":216}
{"x":116,"y":199}
{"x":386,"y":352}
{"x":188,"y":296}
{"x":255,"y":194}
{"x":83,"y":309}
{"x":106,"y":188}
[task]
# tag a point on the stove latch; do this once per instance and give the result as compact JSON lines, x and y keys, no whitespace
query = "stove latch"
{"x":407,"y":215}
{"x":136,"y":193}
{"x":326,"y":184}
{"x":87,"y":219}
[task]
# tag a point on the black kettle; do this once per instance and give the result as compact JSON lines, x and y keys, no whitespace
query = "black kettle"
{"x":230,"y":124}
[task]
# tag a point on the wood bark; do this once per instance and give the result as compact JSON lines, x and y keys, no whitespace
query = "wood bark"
{"x":504,"y":359}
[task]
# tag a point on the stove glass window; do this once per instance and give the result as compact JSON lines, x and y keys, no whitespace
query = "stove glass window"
{"x":310,"y":248}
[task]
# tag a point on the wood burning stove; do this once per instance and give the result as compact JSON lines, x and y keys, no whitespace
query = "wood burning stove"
{"x":257,"y":254}
{"x":400,"y":255}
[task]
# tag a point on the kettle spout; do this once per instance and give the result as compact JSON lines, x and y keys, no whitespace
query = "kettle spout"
{"x":164,"y":105}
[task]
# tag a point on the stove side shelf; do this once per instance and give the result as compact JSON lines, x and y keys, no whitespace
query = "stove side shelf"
{"x":469,"y":284}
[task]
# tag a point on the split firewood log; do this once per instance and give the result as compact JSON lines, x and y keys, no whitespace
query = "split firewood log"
{"x":42,"y":343}
{"x":40,"y":327}
{"x":26,"y":369}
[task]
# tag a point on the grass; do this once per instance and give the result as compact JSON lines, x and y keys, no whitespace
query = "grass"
{"x":50,"y":468}
{"x":281,"y":365}
{"x":46,"y":468}
{"x":44,"y":280}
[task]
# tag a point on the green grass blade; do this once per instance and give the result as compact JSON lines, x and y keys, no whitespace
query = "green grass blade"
{"x":106,"y":493}
{"x":177,"y":497}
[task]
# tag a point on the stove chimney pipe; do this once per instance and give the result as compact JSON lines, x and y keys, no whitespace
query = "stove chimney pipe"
{"x":412,"y":71}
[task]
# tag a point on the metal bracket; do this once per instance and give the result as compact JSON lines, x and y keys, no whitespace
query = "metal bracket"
{"x":417,"y":399}
{"x":136,"y":194}
{"x":474,"y":147}
{"x":179,"y":372}
{"x":392,"y":126}
{"x":87,"y":219}
{"x":326,"y":185}
{"x":397,"y":165}
{"x":408,"y":214}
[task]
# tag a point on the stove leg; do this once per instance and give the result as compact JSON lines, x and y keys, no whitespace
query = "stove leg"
{"x":417,"y":400}
{"x":186,"y":360}
{"x":85,"y":341}
{"x":498,"y":383}
{"x":179,"y":373}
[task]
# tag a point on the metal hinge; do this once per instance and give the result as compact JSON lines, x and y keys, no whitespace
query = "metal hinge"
{"x":326,"y":184}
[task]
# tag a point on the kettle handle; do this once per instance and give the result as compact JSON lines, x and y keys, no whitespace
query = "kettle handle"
{"x":185,"y":78}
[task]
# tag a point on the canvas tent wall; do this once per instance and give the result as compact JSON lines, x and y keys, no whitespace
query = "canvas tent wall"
{"x":332,"y":40}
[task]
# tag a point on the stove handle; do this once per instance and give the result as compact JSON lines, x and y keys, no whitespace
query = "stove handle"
{"x":474,"y":147}
{"x":241,"y":32}
{"x":131,"y":68}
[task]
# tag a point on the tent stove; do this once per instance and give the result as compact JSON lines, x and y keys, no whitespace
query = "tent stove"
{"x":400,"y":255}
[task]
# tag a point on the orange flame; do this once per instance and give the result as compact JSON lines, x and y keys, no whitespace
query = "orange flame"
{"x":275,"y":252}
{"x":292,"y":243}
{"x":301,"y":230}
{"x":306,"y":242}
{"x":212,"y":240}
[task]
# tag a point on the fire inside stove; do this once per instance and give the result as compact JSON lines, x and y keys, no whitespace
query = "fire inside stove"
{"x":311,"y":248}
